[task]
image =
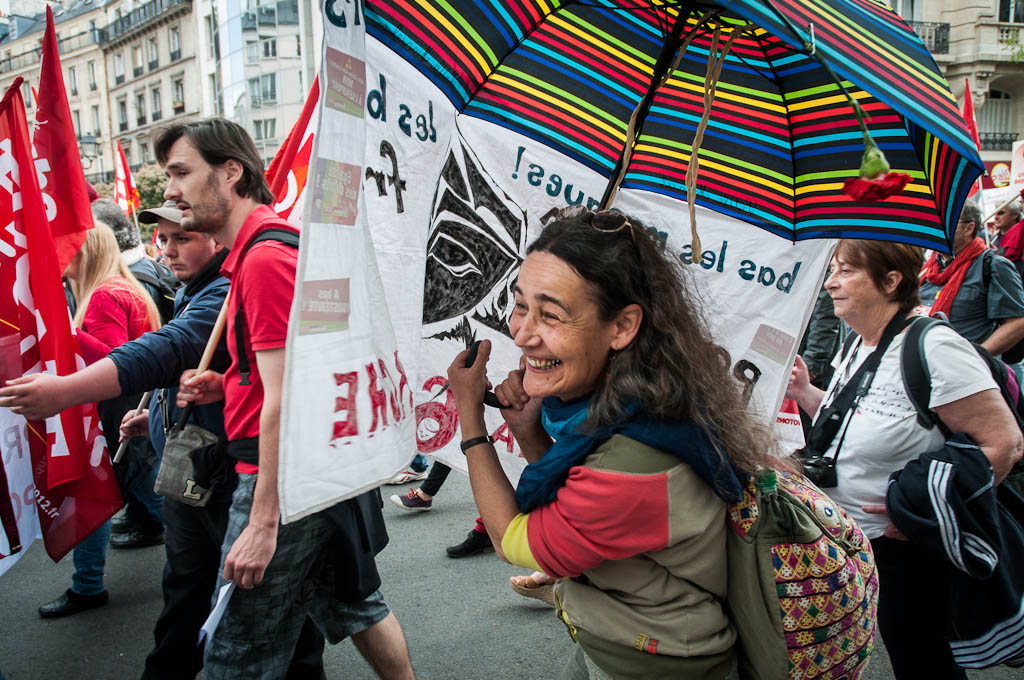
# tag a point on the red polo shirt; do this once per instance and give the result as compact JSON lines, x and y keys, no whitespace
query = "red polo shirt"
{"x":263,"y":278}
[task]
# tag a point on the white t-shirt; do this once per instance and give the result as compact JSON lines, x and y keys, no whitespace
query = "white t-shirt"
{"x":884,"y":434}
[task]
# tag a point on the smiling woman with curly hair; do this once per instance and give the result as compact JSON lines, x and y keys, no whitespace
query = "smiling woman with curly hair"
{"x":637,"y":436}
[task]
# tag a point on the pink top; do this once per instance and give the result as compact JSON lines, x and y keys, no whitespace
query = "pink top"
{"x":116,"y":314}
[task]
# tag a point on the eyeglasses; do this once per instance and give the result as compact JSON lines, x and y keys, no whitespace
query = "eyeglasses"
{"x":607,"y":221}
{"x":1000,"y":212}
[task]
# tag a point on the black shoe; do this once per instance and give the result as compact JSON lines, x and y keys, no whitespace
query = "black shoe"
{"x":474,"y":544}
{"x":122,"y":525}
{"x":71,"y":603}
{"x":137,"y":539}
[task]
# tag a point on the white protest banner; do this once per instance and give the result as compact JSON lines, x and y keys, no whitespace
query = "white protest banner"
{"x":19,"y":505}
{"x":425,"y":217}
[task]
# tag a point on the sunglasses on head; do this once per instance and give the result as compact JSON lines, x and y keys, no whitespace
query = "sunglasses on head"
{"x":607,"y":221}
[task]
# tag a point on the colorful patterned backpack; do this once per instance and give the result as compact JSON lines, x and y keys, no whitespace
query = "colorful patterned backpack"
{"x":803,"y":589}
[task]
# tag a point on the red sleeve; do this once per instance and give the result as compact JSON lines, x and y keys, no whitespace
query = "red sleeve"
{"x":599,"y":515}
{"x":106,"y":319}
{"x":92,"y":349}
{"x":268,"y":285}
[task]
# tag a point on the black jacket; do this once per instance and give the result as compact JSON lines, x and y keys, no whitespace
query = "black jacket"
{"x":946,"y":502}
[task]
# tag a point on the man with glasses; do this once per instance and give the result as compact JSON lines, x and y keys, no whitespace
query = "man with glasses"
{"x":978,"y":289}
{"x":1006,"y":218}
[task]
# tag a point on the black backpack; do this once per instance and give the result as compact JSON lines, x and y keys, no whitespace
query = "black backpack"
{"x":917,"y":382}
{"x":162,"y":286}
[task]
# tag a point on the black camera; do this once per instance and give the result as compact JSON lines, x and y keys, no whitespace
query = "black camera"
{"x":821,"y":471}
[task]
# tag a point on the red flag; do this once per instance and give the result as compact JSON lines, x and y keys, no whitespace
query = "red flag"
{"x":56,"y":151}
{"x":75,"y":488}
{"x":288,"y":171}
{"x":125,"y":193}
{"x":972,"y":127}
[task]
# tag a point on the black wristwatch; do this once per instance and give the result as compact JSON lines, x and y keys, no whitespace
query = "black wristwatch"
{"x":470,"y":443}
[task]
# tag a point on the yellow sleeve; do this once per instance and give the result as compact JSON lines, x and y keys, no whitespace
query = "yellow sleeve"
{"x":516,"y":545}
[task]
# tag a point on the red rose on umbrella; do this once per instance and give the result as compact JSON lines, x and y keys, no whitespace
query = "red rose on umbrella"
{"x":875,"y":182}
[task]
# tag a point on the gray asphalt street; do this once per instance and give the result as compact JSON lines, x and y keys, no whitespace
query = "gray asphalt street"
{"x":460,"y":617}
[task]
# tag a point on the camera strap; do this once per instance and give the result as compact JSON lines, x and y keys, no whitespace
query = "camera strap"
{"x":842,"y":405}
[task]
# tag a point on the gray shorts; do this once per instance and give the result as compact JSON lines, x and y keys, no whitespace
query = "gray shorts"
{"x":257,"y":635}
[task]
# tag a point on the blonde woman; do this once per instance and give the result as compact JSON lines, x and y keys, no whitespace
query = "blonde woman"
{"x":113,"y":308}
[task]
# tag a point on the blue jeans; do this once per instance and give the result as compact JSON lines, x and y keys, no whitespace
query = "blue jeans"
{"x":90,"y":556}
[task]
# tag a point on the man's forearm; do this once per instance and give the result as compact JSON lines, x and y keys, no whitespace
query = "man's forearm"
{"x":1005,"y":337}
{"x":266,"y":508}
{"x":93,"y":383}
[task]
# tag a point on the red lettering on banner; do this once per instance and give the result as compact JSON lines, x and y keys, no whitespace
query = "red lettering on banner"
{"x":442,"y":420}
{"x":403,"y":384}
{"x":347,"y":427}
{"x":378,"y":400}
{"x":386,"y":383}
{"x":503,"y":434}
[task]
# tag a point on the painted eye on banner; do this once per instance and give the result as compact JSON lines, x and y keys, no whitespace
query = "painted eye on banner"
{"x":474,"y":247}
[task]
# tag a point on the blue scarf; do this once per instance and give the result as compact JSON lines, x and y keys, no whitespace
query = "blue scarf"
{"x":540,"y":481}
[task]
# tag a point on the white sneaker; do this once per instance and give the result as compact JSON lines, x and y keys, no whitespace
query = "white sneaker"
{"x":406,"y":476}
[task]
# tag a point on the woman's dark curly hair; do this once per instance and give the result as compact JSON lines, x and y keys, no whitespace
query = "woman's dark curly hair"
{"x":672,"y":367}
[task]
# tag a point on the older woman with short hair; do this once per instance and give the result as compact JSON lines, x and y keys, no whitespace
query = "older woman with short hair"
{"x":637,"y":437}
{"x":874,"y":287}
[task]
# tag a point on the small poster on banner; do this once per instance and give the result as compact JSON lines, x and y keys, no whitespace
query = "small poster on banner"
{"x":1017,"y":167}
{"x":346,"y":82}
{"x":337,"y":198}
{"x":325,"y":306}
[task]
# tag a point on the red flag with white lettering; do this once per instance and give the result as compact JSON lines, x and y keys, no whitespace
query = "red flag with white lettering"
{"x":75,"y":488}
{"x":125,"y":193}
{"x":56,"y":151}
{"x":972,"y":127}
{"x":288,"y":172}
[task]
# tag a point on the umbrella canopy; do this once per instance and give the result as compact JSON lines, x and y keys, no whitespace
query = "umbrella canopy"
{"x":781,"y":136}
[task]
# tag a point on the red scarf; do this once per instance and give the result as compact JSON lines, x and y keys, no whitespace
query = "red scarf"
{"x":952,"y":276}
{"x":1013,"y":242}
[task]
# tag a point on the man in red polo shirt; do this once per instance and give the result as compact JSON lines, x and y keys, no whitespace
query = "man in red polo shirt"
{"x":215,"y":175}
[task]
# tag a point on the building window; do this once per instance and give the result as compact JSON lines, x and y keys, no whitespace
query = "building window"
{"x":269,"y":48}
{"x":119,"y":68}
{"x":73,"y":80}
{"x":995,"y":122}
{"x":137,"y":61}
{"x":908,"y":9}
{"x":215,"y":94}
{"x":154,"y":54}
{"x":155,"y":98}
{"x":27,"y":94}
{"x":126,"y":146}
{"x":76,"y":121}
{"x":211,"y":36}
{"x":1011,"y":10}
{"x":174,"y":40}
{"x":263,"y":129}
{"x":252,"y":52}
{"x":144,"y":151}
{"x":91,"y":69}
{"x":96,"y":131}
{"x":178,"y":95}
{"x":140,"y":108}
{"x":263,"y":90}
{"x":122,"y":114}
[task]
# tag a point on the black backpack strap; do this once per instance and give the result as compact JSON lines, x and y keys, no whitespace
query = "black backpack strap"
{"x":290,"y":239}
{"x":847,"y":344}
{"x":914,"y":371}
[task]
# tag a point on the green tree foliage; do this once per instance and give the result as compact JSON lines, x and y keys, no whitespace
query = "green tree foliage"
{"x":151,"y":181}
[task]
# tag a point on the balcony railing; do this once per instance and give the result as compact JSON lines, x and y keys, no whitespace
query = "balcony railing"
{"x":154,"y":64}
{"x":997,"y":141}
{"x":119,"y":79}
{"x":175,"y":55}
{"x":140,"y":16}
{"x":140,"y":121}
{"x":33,"y":56}
{"x":935,"y":36}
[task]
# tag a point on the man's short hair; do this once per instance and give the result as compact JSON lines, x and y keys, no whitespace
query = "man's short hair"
{"x":127,"y":234}
{"x":971,"y":212}
{"x":1014,"y":208}
{"x":219,"y":141}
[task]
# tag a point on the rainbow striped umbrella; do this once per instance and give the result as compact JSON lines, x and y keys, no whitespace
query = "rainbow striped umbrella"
{"x":621,"y":86}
